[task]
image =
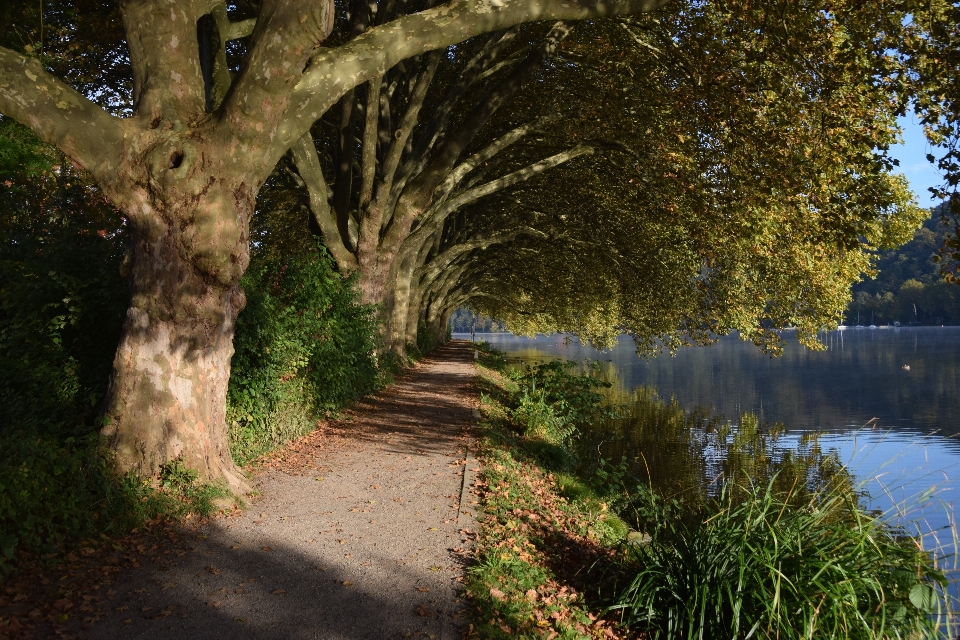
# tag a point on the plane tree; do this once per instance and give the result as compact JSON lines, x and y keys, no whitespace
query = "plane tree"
{"x":739,"y":154}
{"x":402,"y":154}
{"x":185,"y":166}
{"x":761,"y":192}
{"x":933,"y":54}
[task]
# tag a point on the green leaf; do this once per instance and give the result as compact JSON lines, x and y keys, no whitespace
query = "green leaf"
{"x":924,"y":597}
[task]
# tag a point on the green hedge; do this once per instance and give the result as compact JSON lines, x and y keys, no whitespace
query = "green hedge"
{"x":304,"y":348}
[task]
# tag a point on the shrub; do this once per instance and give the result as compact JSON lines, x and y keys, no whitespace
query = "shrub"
{"x":758,"y":565}
{"x":55,"y":492}
{"x":551,"y":400}
{"x":304,"y":347}
{"x":62,"y":302}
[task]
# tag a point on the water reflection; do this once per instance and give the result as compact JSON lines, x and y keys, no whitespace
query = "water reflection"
{"x":687,"y":456}
{"x":884,"y":401}
{"x":858,"y":377}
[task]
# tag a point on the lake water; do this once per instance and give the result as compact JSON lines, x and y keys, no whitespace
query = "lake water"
{"x":887,"y":400}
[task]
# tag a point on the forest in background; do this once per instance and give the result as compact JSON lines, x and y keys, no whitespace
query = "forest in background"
{"x":908,"y":287}
{"x":467,"y":320}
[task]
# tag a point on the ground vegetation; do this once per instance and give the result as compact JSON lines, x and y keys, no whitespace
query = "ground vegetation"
{"x":768,"y":543}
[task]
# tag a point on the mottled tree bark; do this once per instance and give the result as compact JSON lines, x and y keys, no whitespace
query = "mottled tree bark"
{"x":167,"y":393}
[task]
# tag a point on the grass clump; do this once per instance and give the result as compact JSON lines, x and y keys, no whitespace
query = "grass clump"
{"x":758,"y":564}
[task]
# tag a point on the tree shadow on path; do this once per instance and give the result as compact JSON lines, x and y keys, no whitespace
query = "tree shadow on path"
{"x":359,"y":538}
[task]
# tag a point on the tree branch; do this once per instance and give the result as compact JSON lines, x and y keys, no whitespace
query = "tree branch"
{"x":165,"y":58}
{"x":439,"y":212}
{"x":332,"y":72}
{"x":286,"y":33}
{"x":403,"y":132}
{"x":240,"y":29}
{"x":448,"y":154}
{"x":441,"y":116}
{"x":368,"y":161}
{"x":308,"y":164}
{"x":88,"y":135}
{"x":451,"y":254}
{"x":503,"y":142}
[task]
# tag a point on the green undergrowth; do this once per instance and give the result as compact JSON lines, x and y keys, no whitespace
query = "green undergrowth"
{"x":62,"y":302}
{"x":304,"y":348}
{"x":55,"y":493}
{"x":546,"y":539}
{"x":780,"y":547}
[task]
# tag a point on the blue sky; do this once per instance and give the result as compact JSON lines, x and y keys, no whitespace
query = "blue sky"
{"x":913,"y":161}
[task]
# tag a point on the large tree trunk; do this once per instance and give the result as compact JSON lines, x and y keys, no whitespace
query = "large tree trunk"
{"x":397,"y":329}
{"x":413,"y":311}
{"x":167,"y":393}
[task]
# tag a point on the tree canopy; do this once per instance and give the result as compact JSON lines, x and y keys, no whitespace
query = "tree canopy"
{"x":673,"y":171}
{"x":755,"y":190}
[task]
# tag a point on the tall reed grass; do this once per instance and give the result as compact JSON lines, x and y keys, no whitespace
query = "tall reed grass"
{"x":759,"y":564}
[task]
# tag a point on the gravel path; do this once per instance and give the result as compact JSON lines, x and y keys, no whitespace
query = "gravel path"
{"x":357,"y":532}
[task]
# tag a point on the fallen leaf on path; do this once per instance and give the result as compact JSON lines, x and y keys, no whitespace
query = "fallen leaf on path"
{"x":347,"y":583}
{"x":278,"y":592}
{"x":267,"y":548}
{"x":424,"y":612}
{"x":422,"y":589}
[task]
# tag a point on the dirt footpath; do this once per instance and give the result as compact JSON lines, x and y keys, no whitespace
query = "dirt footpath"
{"x":355,"y":534}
